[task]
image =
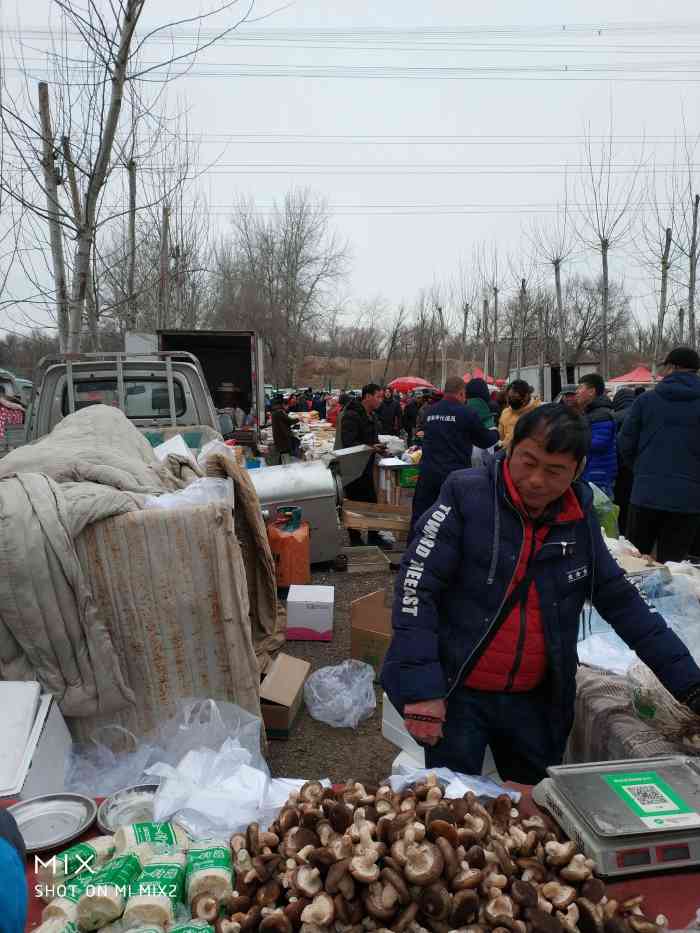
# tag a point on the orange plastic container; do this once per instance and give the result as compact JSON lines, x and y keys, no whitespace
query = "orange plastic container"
{"x":291,"y":551}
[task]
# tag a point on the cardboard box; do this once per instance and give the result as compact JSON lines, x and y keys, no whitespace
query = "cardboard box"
{"x":370,"y":629}
{"x":310,"y":613}
{"x":281,"y":694}
{"x":34,"y":742}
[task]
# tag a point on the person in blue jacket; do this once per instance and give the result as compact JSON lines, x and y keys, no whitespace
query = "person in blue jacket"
{"x":660,"y":441}
{"x":488,"y":600}
{"x":601,"y":466}
{"x":451,"y":430}
{"x":13,"y":889}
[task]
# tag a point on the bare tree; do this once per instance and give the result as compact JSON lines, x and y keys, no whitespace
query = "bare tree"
{"x":659,"y":245}
{"x":554,"y":244}
{"x":688,"y":199}
{"x":606,"y":216}
{"x":85,"y":131}
{"x":292,"y":263}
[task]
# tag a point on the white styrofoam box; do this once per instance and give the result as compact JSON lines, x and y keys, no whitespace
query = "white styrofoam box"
{"x":38,"y":763}
{"x":19,"y":701}
{"x":394,"y":730}
{"x":310,"y":613}
{"x":404,"y":762}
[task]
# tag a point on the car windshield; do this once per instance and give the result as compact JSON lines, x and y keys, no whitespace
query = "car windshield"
{"x":144,"y":398}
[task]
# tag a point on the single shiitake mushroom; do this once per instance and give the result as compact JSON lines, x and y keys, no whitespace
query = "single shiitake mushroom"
{"x":381,"y":900}
{"x":579,"y":869}
{"x":268,"y":893}
{"x":560,"y":853}
{"x":499,"y":911}
{"x":559,"y":895}
{"x":275,"y":922}
{"x":394,"y":878}
{"x":424,"y":863}
{"x":467,"y":878}
{"x":435,"y":902}
{"x":523,"y":893}
{"x":593,"y":890}
{"x":205,"y":907}
{"x":320,"y":911}
{"x":449,"y":856}
{"x":465,"y":906}
{"x":590,"y":916}
{"x":405,"y":919}
{"x":307,"y":881}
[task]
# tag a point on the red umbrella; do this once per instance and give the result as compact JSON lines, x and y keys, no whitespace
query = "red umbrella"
{"x":408,"y":383}
{"x":478,"y":373}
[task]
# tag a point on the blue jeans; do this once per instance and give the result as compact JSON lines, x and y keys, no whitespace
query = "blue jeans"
{"x":515,"y":725}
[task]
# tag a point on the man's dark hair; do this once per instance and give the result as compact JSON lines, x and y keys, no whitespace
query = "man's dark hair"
{"x":593,"y":381}
{"x":640,"y":390}
{"x":370,"y":389}
{"x":564,"y":430}
{"x":454,"y":385}
{"x":683,"y":358}
{"x":519,"y":386}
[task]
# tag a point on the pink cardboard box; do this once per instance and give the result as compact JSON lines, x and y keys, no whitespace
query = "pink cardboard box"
{"x":310,"y":613}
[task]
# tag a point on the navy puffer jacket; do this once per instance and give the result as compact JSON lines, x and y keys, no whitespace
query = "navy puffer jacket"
{"x":601,"y":466}
{"x":455,"y":575}
{"x":660,"y":440}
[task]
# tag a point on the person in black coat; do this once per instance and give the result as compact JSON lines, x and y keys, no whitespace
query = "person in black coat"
{"x":660,"y":441}
{"x":410,"y":418}
{"x":622,"y":402}
{"x":389,"y":413}
{"x":359,"y":425}
{"x":286,"y":444}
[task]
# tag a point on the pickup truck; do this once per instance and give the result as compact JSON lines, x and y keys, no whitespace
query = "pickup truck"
{"x":158,"y":392}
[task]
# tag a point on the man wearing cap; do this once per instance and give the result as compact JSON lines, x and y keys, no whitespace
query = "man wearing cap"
{"x":451,"y":432}
{"x":660,"y":440}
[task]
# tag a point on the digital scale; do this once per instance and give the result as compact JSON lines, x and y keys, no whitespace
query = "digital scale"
{"x":633,"y":816}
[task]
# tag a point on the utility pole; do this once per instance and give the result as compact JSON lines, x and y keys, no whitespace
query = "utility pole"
{"x":131,"y":266}
{"x":164,"y":279}
{"x":495,"y":330}
{"x":486,"y":336}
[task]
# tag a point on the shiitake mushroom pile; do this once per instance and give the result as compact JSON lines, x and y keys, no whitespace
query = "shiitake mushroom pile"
{"x":372,"y":859}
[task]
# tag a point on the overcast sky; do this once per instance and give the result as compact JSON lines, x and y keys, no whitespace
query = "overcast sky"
{"x":480,"y":145}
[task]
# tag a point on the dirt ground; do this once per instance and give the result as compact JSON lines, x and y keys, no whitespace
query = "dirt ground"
{"x":315,"y":750}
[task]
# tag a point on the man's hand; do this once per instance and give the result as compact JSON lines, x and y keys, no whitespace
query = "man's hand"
{"x":427,"y":732}
{"x":380,"y":448}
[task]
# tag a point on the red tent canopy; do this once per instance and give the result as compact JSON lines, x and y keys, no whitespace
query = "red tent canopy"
{"x":639,"y":375}
{"x":408,"y":383}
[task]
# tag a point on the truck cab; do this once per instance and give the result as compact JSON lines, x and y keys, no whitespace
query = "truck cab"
{"x":160,"y":393}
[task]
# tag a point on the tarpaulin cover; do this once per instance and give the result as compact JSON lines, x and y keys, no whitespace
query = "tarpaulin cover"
{"x":117,"y":610}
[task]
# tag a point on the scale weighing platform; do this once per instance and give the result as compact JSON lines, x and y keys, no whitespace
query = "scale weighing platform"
{"x":633,"y":816}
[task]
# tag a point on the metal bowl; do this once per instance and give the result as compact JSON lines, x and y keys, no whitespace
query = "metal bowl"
{"x":52,"y":820}
{"x":130,"y":805}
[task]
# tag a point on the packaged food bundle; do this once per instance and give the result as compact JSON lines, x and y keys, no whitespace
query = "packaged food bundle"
{"x":83,"y":857}
{"x":157,"y":891}
{"x":106,"y":893}
{"x":209,"y":870}
{"x":56,"y":925}
{"x":166,"y":835}
{"x":64,"y":907}
{"x":191,"y":926}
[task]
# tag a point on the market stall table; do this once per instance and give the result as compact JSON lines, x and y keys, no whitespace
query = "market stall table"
{"x":674,"y":894}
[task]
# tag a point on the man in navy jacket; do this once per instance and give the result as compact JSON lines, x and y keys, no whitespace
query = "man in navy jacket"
{"x":487,"y":606}
{"x":451,"y":430}
{"x":660,"y":441}
{"x":601,"y":467}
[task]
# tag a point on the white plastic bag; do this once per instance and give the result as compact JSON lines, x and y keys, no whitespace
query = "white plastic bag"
{"x":454,"y":783}
{"x":341,"y":696}
{"x":202,"y":491}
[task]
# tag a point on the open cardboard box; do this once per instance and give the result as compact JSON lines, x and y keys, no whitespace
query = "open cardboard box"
{"x":281,"y":694}
{"x":370,"y":629}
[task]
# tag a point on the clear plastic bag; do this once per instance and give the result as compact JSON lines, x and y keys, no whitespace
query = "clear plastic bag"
{"x":607,"y":512}
{"x":107,"y":763}
{"x":215,"y":447}
{"x":202,"y":491}
{"x":341,"y":696}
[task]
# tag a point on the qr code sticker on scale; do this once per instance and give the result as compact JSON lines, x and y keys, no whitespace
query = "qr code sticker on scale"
{"x":650,"y":798}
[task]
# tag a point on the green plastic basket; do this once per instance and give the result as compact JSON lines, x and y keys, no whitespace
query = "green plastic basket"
{"x":409,"y":477}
